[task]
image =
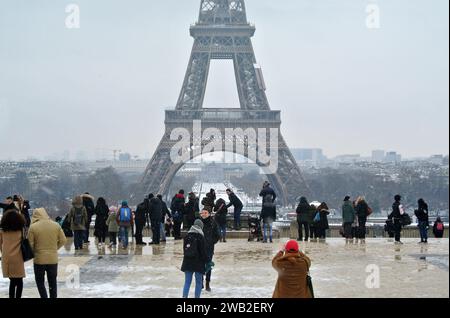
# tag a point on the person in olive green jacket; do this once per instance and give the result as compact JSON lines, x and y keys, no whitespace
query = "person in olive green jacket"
{"x":348,"y":217}
{"x":78,"y":218}
{"x":113,"y":227}
{"x":46,"y":237}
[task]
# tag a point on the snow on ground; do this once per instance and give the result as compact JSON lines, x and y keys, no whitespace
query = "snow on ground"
{"x":244,"y":270}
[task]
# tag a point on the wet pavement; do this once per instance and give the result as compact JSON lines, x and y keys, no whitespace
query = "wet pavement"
{"x":244,"y":269}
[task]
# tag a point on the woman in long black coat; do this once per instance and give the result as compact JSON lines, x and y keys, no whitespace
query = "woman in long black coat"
{"x":101,"y":215}
{"x":322,"y":226}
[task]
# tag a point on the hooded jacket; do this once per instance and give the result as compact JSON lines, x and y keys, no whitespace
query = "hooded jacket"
{"x":304,"y":211}
{"x":12,"y":260}
{"x":77,"y":207}
{"x":155,"y":211}
{"x":46,"y":238}
{"x":197,"y":264}
{"x":348,"y":212}
{"x":177,"y":207}
{"x":292,"y":271}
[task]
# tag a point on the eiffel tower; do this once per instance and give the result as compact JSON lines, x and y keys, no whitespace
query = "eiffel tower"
{"x":223,"y":32}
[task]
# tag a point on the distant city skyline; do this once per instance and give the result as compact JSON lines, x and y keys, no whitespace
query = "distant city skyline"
{"x":340,"y":85}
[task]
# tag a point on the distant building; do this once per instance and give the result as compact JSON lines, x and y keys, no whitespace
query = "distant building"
{"x":378,"y":155}
{"x":437,"y":159}
{"x":393,"y":157}
{"x":313,"y":155}
{"x":445,"y":161}
{"x":348,"y":158}
{"x":124,"y":157}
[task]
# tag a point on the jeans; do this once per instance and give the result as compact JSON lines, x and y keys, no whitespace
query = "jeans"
{"x":300,"y":230}
{"x":39,"y":275}
{"x":209,"y":259}
{"x":86,"y":232}
{"x":188,"y":282}
{"x":423,"y":227}
{"x":124,"y":236}
{"x":156,"y":229}
{"x":78,"y":237}
{"x":237,"y":217}
{"x":267,"y":226}
{"x":113,"y":238}
{"x":162,"y":231}
{"x":223,"y":231}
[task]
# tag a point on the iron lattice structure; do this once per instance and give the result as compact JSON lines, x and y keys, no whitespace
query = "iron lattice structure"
{"x":223,"y":32}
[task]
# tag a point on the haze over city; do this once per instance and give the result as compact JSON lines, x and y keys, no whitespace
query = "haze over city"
{"x":339,"y":85}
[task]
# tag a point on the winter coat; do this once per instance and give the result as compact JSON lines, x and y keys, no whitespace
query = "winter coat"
{"x":422,"y":215}
{"x":323,"y":223}
{"x":46,"y":238}
{"x":362,"y":209}
{"x":12,"y":261}
{"x":113,"y":227}
{"x":7,"y":207}
{"x":396,"y":214}
{"x":208,"y":202}
{"x":191,"y":210}
{"x":177,"y":207}
{"x":292,"y":271}
{"x":196,"y":264}
{"x":125,"y":223}
{"x":221,"y":212}
{"x":304,"y":211}
{"x":234,"y":201}
{"x":436,"y":232}
{"x":77,"y":207}
{"x":155,"y":209}
{"x":212,"y":234}
{"x":268,"y":190}
{"x":142,"y":210}
{"x":348,"y":212}
{"x":269,"y":214}
{"x":102,"y":213}
{"x":88,"y":203}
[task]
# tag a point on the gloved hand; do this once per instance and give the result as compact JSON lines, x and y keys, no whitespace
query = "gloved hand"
{"x":209,"y":266}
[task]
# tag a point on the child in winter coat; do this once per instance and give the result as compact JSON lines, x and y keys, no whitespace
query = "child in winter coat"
{"x":113,"y":227}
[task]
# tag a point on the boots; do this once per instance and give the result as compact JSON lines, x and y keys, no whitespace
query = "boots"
{"x":208,"y":288}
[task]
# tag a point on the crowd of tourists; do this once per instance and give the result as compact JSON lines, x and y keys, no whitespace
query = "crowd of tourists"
{"x":38,"y":238}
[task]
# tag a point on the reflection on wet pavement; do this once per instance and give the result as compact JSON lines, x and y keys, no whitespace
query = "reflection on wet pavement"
{"x":244,"y":270}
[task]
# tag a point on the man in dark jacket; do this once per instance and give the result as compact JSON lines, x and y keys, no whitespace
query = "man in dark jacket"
{"x":191,"y":211}
{"x":88,"y":203}
{"x":164,"y":212}
{"x":237,"y":204}
{"x":140,"y":217}
{"x":155,"y":218}
{"x":177,"y":208}
{"x":212,"y":236}
{"x":267,"y":190}
{"x":396,"y":215}
{"x":303,"y":216}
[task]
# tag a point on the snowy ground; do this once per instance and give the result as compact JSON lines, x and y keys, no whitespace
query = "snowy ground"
{"x":244,"y":270}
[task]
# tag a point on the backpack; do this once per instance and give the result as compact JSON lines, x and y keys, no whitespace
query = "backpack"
{"x":405,"y":219}
{"x":440,"y":226}
{"x":191,"y":247}
{"x":369,"y":211}
{"x":78,"y":217}
{"x":125,"y":215}
{"x":317,"y":218}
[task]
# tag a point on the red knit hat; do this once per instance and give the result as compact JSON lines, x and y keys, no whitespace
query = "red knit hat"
{"x":292,"y":246}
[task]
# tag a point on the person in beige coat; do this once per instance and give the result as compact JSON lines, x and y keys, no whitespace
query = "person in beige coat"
{"x":13,"y":267}
{"x":292,"y":267}
{"x":46,"y":238}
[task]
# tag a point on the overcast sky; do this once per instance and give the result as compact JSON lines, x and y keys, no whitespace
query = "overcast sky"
{"x":340,"y":86}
